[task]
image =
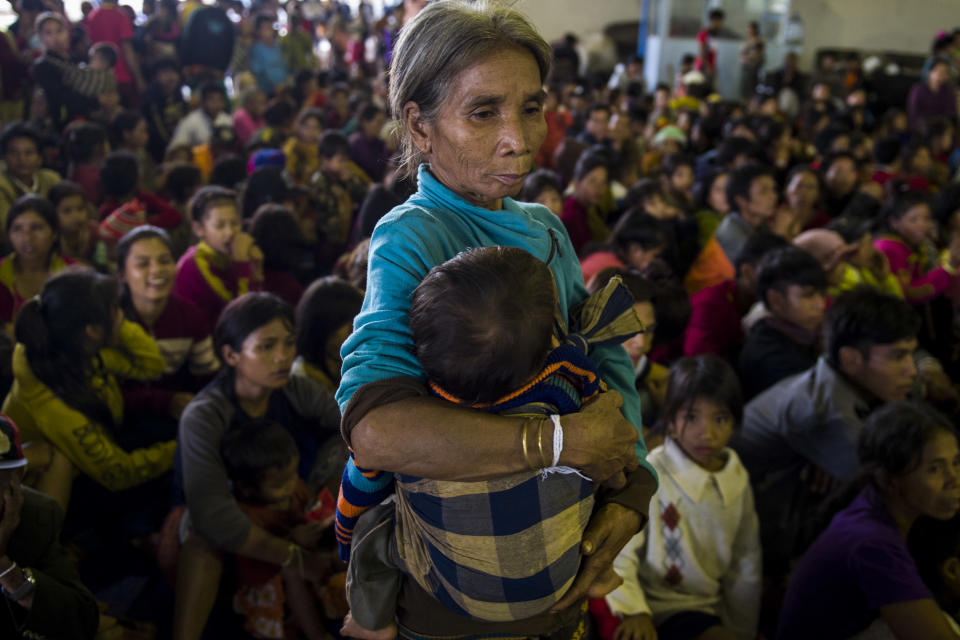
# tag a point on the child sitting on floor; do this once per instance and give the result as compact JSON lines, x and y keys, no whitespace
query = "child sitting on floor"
{"x":695,"y":567}
{"x":489,"y":302}
{"x":261,"y":458}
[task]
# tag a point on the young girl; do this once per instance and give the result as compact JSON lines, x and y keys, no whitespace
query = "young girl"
{"x":261,"y":459}
{"x":303,"y":158}
{"x":695,"y":568}
{"x":225,"y":263}
{"x":860,"y":568}
{"x":130,"y":133}
{"x":33,"y":231}
{"x":78,"y":231}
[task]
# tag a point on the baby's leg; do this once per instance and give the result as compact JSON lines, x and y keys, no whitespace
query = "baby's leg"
{"x":352,"y":629}
{"x":302,"y":605}
{"x":373,"y":580}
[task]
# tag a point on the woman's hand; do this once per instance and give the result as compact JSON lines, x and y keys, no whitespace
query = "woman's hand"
{"x":638,"y":627}
{"x":600,"y":441}
{"x":610,"y":528}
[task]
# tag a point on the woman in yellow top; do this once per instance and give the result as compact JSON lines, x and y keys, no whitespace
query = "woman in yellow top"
{"x":72,"y":345}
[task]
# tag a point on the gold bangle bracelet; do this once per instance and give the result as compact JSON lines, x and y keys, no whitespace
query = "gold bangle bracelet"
{"x":540,"y":442}
{"x":523,"y":440}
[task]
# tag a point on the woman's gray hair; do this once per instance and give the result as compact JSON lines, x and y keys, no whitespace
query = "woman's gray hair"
{"x":443,"y":40}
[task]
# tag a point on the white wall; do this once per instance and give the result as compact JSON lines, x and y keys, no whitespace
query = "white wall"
{"x":553,"y":18}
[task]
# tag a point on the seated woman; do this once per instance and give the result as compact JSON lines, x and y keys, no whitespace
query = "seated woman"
{"x":254,"y":338}
{"x":324,"y":320}
{"x":860,"y":568}
{"x":33,"y":230}
{"x":584,"y":215}
{"x":146,"y":270}
{"x":73,"y":345}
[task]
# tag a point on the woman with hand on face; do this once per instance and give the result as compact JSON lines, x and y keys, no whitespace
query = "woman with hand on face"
{"x":33,"y":231}
{"x":254,"y":338}
{"x":146,"y":270}
{"x":466,"y":84}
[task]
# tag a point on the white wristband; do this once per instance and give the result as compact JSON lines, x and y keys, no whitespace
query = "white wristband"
{"x":557,"y":439}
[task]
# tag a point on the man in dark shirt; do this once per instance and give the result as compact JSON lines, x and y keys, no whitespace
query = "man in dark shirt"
{"x":791,"y":284}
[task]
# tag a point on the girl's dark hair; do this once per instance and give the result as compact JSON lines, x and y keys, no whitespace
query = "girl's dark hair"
{"x":676,"y":160}
{"x":637,"y":227}
{"x":538,"y":182}
{"x":275,"y":230}
{"x":52,"y":329}
{"x":738,"y":184}
{"x":125,"y":121}
{"x":702,"y":188}
{"x":266,"y":185}
{"x":250,"y":448}
{"x":41,"y":206}
{"x":244,"y":315}
{"x":63,"y":190}
{"x":278,"y":113}
{"x":593,"y":158}
{"x":705,"y":376}
{"x":901,"y":202}
{"x":16,"y":130}
{"x":482,"y":322}
{"x":181,"y":179}
{"x":332,"y":143}
{"x":228,"y":171}
{"x":207,"y":197}
{"x":308,"y":113}
{"x":119,"y":174}
{"x":326,"y":305}
{"x":82,"y":140}
{"x":145,"y":232}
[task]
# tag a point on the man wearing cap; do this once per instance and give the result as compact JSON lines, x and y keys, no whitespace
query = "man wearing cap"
{"x":45,"y":598}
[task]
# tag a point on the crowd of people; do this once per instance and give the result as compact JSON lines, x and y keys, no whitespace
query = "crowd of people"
{"x":482,"y":347}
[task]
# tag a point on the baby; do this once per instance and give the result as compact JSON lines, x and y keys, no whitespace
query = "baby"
{"x":485,"y":330}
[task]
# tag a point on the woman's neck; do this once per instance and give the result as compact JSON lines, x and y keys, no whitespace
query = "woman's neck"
{"x":31,"y":267}
{"x":902,"y":514}
{"x":149,"y":309}
{"x":74,"y":243}
{"x":253,"y":398}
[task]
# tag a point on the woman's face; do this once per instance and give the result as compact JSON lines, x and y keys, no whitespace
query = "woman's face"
{"x":149,"y":270}
{"x":717,"y":198}
{"x":916,"y":225}
{"x":591,"y":190}
{"x":551,"y":199}
{"x":32,"y":238}
{"x":932,"y":488}
{"x":265,"y":357}
{"x":482,"y":143}
{"x":803,"y":191}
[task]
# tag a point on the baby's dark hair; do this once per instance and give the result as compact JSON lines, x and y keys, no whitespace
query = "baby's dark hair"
{"x":482,"y":322}
{"x":250,"y":448}
{"x":706,"y":376}
{"x":107,"y":51}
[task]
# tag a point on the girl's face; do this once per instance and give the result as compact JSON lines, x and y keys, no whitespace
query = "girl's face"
{"x":916,"y":225}
{"x":593,"y":187}
{"x":32,"y":238}
{"x":219,"y":227}
{"x":703,"y":429}
{"x":803,"y":191}
{"x":640,"y":344}
{"x":717,"y":198}
{"x":265,"y":357}
{"x":149,"y":270}
{"x":932,"y":489}
{"x":551,"y":199}
{"x":639,"y":258}
{"x":72,"y":214}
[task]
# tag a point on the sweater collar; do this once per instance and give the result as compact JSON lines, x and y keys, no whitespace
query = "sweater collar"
{"x":695,"y":481}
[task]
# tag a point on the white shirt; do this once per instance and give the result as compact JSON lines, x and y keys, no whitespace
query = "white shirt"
{"x":700,"y":551}
{"x":196,"y":128}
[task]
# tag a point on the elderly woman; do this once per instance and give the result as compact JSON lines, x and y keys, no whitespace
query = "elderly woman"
{"x":466,"y":85}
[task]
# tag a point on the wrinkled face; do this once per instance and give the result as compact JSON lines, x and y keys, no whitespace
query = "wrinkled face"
{"x":803,"y":190}
{"x":551,"y":199}
{"x":888,"y":371}
{"x":31,"y":237}
{"x":482,"y":143}
{"x":219,"y":227}
{"x":915,"y":226}
{"x":592,"y":188}
{"x":54,"y":36}
{"x":932,"y":488}
{"x":22,"y":158}
{"x":841,"y":177}
{"x":804,"y":306}
{"x":149,"y":271}
{"x":72,"y":214}
{"x":278,"y":484}
{"x":762,"y":204}
{"x":717,"y":198}
{"x":703,"y":429}
{"x":641,"y":344}
{"x":265,"y":357}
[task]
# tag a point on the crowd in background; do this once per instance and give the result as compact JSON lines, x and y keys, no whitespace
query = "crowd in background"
{"x":188,"y":197}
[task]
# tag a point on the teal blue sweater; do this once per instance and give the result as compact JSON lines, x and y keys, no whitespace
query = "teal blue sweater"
{"x":432,"y":226}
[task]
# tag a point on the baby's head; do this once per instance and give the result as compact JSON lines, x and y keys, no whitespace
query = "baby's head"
{"x":261,"y":459}
{"x":483,"y":322}
{"x":103,"y":56}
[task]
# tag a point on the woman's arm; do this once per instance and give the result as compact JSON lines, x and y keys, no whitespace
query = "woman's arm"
{"x":136,"y":354}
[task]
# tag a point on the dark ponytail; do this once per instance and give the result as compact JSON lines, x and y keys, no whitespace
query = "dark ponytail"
{"x":52,"y":329}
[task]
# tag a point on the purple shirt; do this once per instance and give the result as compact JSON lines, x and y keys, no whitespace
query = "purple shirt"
{"x":859,"y":564}
{"x":924,"y":103}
